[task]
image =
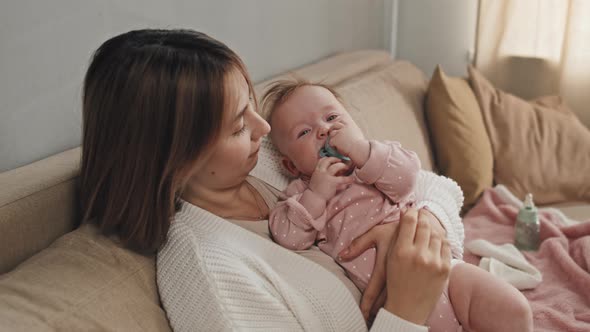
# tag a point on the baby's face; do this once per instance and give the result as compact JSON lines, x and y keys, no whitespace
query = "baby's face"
{"x":300,"y":126}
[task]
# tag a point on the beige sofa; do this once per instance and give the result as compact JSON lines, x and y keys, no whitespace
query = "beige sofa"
{"x":58,"y":275}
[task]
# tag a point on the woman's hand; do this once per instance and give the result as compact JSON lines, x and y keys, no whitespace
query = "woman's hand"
{"x":383,"y":238}
{"x":418,"y":266}
{"x":434,"y":222}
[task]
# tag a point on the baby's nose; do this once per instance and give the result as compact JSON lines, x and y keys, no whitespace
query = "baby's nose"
{"x":323,"y":131}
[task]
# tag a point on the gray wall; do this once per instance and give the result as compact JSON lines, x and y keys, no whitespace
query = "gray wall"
{"x":45,"y":47}
{"x":431,"y":32}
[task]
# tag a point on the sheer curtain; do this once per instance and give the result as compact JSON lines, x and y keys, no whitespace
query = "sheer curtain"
{"x":537,"y":47}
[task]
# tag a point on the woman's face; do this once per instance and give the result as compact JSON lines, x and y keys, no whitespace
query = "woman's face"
{"x":228,"y":161}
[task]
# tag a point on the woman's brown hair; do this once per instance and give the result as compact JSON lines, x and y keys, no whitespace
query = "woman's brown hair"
{"x":152,"y":101}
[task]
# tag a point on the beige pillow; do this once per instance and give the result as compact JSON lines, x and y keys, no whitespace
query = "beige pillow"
{"x":461,"y":144}
{"x":388,"y":104}
{"x":538,"y":149}
{"x":82,"y":282}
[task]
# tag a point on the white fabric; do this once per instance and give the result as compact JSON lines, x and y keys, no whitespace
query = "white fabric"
{"x":506,"y":262}
{"x":215,"y":276}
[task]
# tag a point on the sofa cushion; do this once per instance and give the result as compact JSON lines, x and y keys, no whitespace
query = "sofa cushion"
{"x":83,"y":281}
{"x":537,"y":149}
{"x":461,"y":144}
{"x":334,"y":69}
{"x":388,"y":105}
{"x":37,"y":205}
{"x":578,"y":211}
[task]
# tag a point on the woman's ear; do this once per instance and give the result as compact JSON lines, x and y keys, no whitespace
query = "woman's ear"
{"x":290,"y":167}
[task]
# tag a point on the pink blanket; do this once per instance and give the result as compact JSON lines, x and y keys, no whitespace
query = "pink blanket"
{"x":562,"y":301}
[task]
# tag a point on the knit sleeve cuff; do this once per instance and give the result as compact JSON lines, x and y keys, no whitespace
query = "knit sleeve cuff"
{"x":386,"y":321}
{"x":373,"y":168}
{"x":300,"y":215}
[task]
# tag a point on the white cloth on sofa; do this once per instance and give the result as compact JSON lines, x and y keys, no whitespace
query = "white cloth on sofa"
{"x":506,"y":262}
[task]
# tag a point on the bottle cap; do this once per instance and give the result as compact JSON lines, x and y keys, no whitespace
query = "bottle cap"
{"x":528,"y":201}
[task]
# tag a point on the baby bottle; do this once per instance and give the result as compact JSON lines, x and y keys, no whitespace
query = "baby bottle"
{"x":526,"y":235}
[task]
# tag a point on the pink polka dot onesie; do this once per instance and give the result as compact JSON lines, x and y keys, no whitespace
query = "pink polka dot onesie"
{"x":383,"y":187}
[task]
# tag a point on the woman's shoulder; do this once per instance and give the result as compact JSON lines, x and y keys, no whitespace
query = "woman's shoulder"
{"x":198,"y":228}
{"x":197,"y":239}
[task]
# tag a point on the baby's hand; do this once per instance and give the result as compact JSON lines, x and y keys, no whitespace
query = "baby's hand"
{"x":325,"y":181}
{"x":349,"y":141}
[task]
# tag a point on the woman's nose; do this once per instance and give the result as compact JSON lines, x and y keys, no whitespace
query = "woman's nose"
{"x":260,"y":127}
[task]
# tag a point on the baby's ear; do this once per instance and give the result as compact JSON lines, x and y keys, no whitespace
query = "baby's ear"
{"x":289,"y":167}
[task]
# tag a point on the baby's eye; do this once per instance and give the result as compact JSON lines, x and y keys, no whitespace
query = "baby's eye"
{"x":303,"y":133}
{"x":332,"y":117}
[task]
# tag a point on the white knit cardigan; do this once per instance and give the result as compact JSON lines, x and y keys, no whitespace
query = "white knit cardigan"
{"x":216,"y":276}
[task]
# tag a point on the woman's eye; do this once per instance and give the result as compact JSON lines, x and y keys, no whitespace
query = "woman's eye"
{"x":332,"y":117}
{"x":241,"y":131}
{"x":303,"y":133}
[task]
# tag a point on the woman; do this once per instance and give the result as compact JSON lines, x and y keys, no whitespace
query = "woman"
{"x":170,"y":135}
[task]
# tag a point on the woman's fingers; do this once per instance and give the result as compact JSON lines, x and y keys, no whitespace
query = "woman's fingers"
{"x":445,"y":253}
{"x":376,"y":283}
{"x":360,"y":244}
{"x":417,"y":268}
{"x":435,"y":244}
{"x":422,"y":238}
{"x":435,"y":225}
{"x":407,"y":228}
{"x":375,"y":287}
{"x":380,"y":238}
{"x":378,"y":305}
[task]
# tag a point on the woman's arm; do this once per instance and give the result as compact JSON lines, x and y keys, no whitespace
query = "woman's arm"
{"x":380,"y":237}
{"x":417,"y":265}
{"x":436,"y":194}
{"x":187,"y":294}
{"x":225,"y":293}
{"x":222,"y":293}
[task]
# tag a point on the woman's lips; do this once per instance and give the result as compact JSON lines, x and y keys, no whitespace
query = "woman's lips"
{"x":254,"y":153}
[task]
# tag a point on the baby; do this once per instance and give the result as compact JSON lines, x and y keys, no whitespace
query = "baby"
{"x":347,"y":184}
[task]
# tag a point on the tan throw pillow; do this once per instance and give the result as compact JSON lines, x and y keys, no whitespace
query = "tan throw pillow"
{"x":82,"y":282}
{"x":538,"y":149}
{"x":461,"y":144}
